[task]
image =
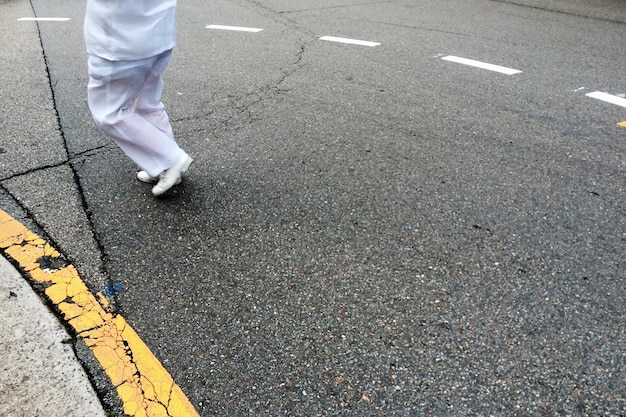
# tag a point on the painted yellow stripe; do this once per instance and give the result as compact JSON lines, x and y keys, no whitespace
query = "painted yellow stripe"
{"x":622,"y":124}
{"x":143,"y":384}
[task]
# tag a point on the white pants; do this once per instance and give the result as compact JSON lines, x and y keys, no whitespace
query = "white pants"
{"x":125,"y":102}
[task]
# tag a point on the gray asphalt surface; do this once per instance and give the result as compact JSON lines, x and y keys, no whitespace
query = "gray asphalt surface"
{"x":365,"y":231}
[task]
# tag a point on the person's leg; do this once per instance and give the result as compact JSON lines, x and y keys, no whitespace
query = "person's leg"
{"x":112,"y":91}
{"x":149,"y":106}
{"x":148,"y":102}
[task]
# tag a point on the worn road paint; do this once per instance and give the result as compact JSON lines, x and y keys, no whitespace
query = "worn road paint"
{"x":608,"y":98}
{"x":349,"y":41}
{"x":483,"y":65}
{"x":44,"y":19}
{"x":235,"y":28}
{"x":143,"y":384}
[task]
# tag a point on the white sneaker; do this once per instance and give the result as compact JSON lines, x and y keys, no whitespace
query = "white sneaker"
{"x":173,"y":175}
{"x":143,"y":176}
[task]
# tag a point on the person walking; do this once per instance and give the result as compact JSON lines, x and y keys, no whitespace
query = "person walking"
{"x":129,"y":44}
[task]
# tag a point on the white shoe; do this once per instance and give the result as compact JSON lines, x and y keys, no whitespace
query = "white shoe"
{"x":173,"y":175}
{"x":143,"y":176}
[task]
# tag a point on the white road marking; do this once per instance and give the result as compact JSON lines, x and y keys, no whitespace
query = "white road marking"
{"x":608,"y":98}
{"x":483,"y":65}
{"x":349,"y":41}
{"x":235,"y":28}
{"x":45,"y":19}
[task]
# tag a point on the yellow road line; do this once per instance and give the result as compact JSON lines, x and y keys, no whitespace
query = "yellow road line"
{"x":143,"y":384}
{"x":622,"y":124}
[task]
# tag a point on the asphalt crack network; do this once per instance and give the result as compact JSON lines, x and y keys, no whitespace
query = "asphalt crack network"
{"x":245,"y":103}
{"x":74,"y":162}
{"x":553,"y":10}
{"x":336,"y":7}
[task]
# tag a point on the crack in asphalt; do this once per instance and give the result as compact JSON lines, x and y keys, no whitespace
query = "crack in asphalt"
{"x":346,"y":6}
{"x":547,"y":9}
{"x":244,"y":104}
{"x":70,"y":160}
{"x":144,"y":385}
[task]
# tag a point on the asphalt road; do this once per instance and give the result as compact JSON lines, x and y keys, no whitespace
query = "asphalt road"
{"x":367,"y":230}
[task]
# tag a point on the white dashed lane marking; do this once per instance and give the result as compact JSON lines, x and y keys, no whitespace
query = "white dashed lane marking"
{"x":483,"y":65}
{"x":348,"y":41}
{"x":44,"y":19}
{"x":608,"y":98}
{"x":234,"y":28}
